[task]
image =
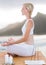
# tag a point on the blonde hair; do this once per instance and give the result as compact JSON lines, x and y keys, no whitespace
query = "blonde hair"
{"x":29,"y":6}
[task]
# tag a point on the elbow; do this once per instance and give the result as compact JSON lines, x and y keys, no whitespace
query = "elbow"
{"x":25,"y":39}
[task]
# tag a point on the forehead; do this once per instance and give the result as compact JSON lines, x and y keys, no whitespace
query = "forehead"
{"x":23,"y":6}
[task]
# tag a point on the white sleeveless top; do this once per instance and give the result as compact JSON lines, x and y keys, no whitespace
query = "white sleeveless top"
{"x":24,"y":27}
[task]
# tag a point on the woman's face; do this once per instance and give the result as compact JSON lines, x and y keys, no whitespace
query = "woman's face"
{"x":24,"y":10}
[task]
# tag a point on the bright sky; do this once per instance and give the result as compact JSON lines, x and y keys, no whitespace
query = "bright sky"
{"x":8,"y":16}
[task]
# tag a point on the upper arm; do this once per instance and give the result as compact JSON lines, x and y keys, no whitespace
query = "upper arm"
{"x":28,"y":28}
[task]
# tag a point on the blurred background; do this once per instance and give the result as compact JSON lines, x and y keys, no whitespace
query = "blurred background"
{"x":11,"y":21}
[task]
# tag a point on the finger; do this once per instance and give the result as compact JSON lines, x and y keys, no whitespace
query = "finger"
{"x":7,"y":42}
{"x":4,"y":44}
{"x":10,"y":39}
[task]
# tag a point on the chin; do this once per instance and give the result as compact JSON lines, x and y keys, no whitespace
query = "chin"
{"x":22,"y":14}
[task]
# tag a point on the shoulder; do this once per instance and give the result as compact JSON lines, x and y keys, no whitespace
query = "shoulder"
{"x":30,"y":21}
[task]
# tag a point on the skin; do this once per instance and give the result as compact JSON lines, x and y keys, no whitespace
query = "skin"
{"x":24,"y":38}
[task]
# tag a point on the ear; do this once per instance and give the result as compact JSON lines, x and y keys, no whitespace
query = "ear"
{"x":27,"y":10}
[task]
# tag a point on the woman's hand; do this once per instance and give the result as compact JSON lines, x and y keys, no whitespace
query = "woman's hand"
{"x":10,"y":42}
{"x":5,"y":44}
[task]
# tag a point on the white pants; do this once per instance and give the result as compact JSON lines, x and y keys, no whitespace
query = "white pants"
{"x":21,"y":49}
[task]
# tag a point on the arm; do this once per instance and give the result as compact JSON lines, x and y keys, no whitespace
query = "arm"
{"x":25,"y":37}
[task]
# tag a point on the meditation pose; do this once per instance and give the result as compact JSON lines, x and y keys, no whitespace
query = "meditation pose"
{"x":25,"y":45}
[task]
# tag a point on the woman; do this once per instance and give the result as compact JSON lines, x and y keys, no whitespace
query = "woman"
{"x":25,"y":45}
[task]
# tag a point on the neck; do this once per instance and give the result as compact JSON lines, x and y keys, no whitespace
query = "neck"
{"x":28,"y":17}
